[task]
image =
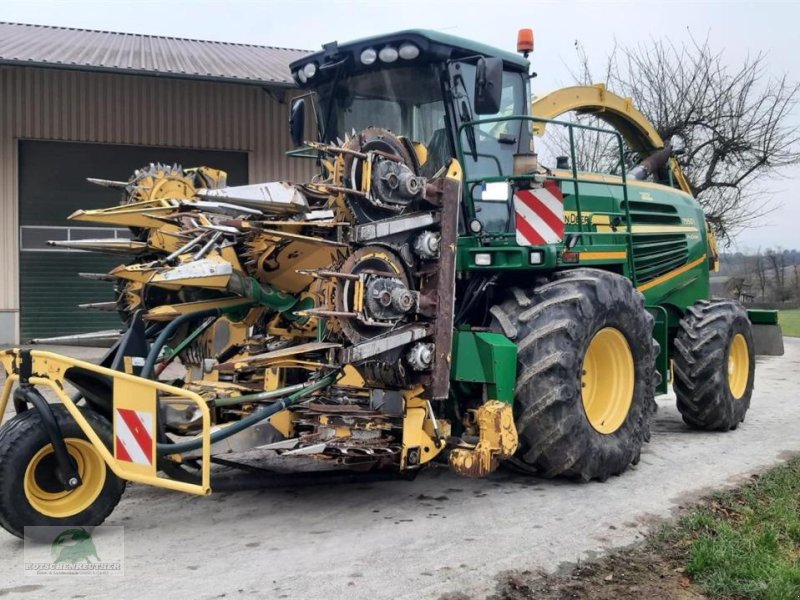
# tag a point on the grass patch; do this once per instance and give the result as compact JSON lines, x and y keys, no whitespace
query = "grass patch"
{"x":790,"y":322}
{"x":736,"y":545}
{"x":746,"y":543}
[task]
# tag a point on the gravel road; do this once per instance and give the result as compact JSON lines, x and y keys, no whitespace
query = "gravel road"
{"x":439,"y":533}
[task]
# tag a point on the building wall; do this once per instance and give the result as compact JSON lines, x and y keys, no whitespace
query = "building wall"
{"x":49,"y":104}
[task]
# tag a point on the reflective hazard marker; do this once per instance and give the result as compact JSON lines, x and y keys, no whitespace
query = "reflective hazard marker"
{"x":539,"y":215}
{"x":133,"y":436}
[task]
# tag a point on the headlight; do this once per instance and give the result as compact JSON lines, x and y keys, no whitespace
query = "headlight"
{"x":409,"y":51}
{"x":301,"y":76}
{"x":483,"y":259}
{"x":310,"y":70}
{"x":475,"y":226}
{"x":368,"y":56}
{"x":388,"y":54}
{"x":536,"y":257}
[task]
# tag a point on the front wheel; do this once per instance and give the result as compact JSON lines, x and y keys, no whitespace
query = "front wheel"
{"x":30,"y":491}
{"x":585,"y":374}
{"x":714,"y":365}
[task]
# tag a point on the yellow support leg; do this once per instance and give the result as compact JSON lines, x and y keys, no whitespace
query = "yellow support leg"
{"x":497,"y":441}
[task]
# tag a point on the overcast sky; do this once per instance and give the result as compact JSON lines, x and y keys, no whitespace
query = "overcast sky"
{"x":737,"y":28}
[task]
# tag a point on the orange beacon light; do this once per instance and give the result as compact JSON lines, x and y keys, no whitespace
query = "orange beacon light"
{"x":525,"y":41}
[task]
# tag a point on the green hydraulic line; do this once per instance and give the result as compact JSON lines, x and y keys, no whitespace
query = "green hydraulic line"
{"x":265,"y":294}
{"x":261,"y":396}
{"x":250,"y":420}
{"x":241,"y":285}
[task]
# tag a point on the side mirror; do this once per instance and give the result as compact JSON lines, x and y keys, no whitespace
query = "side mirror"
{"x":488,"y":86}
{"x":297,"y":121}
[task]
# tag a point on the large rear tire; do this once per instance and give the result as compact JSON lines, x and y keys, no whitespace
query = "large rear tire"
{"x":30,"y":494}
{"x":585,"y":381}
{"x":714,"y":365}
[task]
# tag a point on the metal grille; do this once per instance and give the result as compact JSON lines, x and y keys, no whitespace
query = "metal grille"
{"x":657,"y":254}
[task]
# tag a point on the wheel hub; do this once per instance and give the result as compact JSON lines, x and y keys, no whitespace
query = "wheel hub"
{"x":48,"y":497}
{"x":607,"y":380}
{"x":738,"y":366}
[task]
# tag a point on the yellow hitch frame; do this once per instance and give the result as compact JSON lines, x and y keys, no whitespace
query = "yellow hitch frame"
{"x":130,"y":393}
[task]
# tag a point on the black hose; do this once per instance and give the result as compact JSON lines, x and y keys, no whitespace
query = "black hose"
{"x":166,"y":333}
{"x":259,"y":415}
{"x":473,"y":295}
{"x":66,"y":471}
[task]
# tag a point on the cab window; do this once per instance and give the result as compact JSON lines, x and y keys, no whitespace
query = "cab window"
{"x":495,"y":144}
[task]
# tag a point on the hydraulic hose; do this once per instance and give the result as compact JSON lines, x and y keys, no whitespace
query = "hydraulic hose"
{"x":259,"y":415}
{"x":155,"y":349}
{"x":261,"y":396}
{"x":239,"y":284}
{"x":261,"y":293}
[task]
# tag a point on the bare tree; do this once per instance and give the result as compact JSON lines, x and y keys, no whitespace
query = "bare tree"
{"x":796,"y":281}
{"x":735,"y":286}
{"x":760,"y":271}
{"x":594,"y":150}
{"x":777,"y":260}
{"x":734,"y":121}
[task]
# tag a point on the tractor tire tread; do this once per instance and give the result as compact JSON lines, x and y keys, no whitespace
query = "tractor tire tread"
{"x":556,"y":438}
{"x":700,"y":361}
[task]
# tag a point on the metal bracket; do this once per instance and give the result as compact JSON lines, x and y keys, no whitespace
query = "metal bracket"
{"x":383,"y":343}
{"x":445,"y":288}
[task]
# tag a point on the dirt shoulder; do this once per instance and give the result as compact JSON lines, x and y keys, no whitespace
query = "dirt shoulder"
{"x":648,"y":571}
{"x":738,"y":543}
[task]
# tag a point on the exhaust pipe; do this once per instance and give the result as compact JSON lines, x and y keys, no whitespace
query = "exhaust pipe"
{"x":652,"y":163}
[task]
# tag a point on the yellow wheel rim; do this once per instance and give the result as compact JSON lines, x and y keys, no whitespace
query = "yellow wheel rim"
{"x":607,"y":380}
{"x":738,"y":366}
{"x":42,"y":487}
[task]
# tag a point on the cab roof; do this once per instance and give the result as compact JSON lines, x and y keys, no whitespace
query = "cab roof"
{"x":434,"y":45}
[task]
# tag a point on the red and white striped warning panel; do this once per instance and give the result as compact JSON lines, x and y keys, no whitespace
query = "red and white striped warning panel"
{"x":133,"y":436}
{"x":539,"y":215}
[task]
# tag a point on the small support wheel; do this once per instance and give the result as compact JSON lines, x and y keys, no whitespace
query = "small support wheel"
{"x":31,"y":493}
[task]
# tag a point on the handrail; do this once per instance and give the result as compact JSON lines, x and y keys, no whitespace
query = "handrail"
{"x":575,"y":179}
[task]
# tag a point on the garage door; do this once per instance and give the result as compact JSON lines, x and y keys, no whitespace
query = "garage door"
{"x":52,"y":184}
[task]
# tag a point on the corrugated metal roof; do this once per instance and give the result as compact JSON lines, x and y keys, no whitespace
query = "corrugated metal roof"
{"x":65,"y":48}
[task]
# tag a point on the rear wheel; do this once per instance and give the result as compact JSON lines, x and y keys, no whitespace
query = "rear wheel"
{"x":30,"y":491}
{"x":585,"y":380}
{"x":714,"y":365}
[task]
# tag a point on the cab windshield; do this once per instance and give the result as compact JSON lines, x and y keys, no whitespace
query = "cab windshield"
{"x":405,"y":100}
